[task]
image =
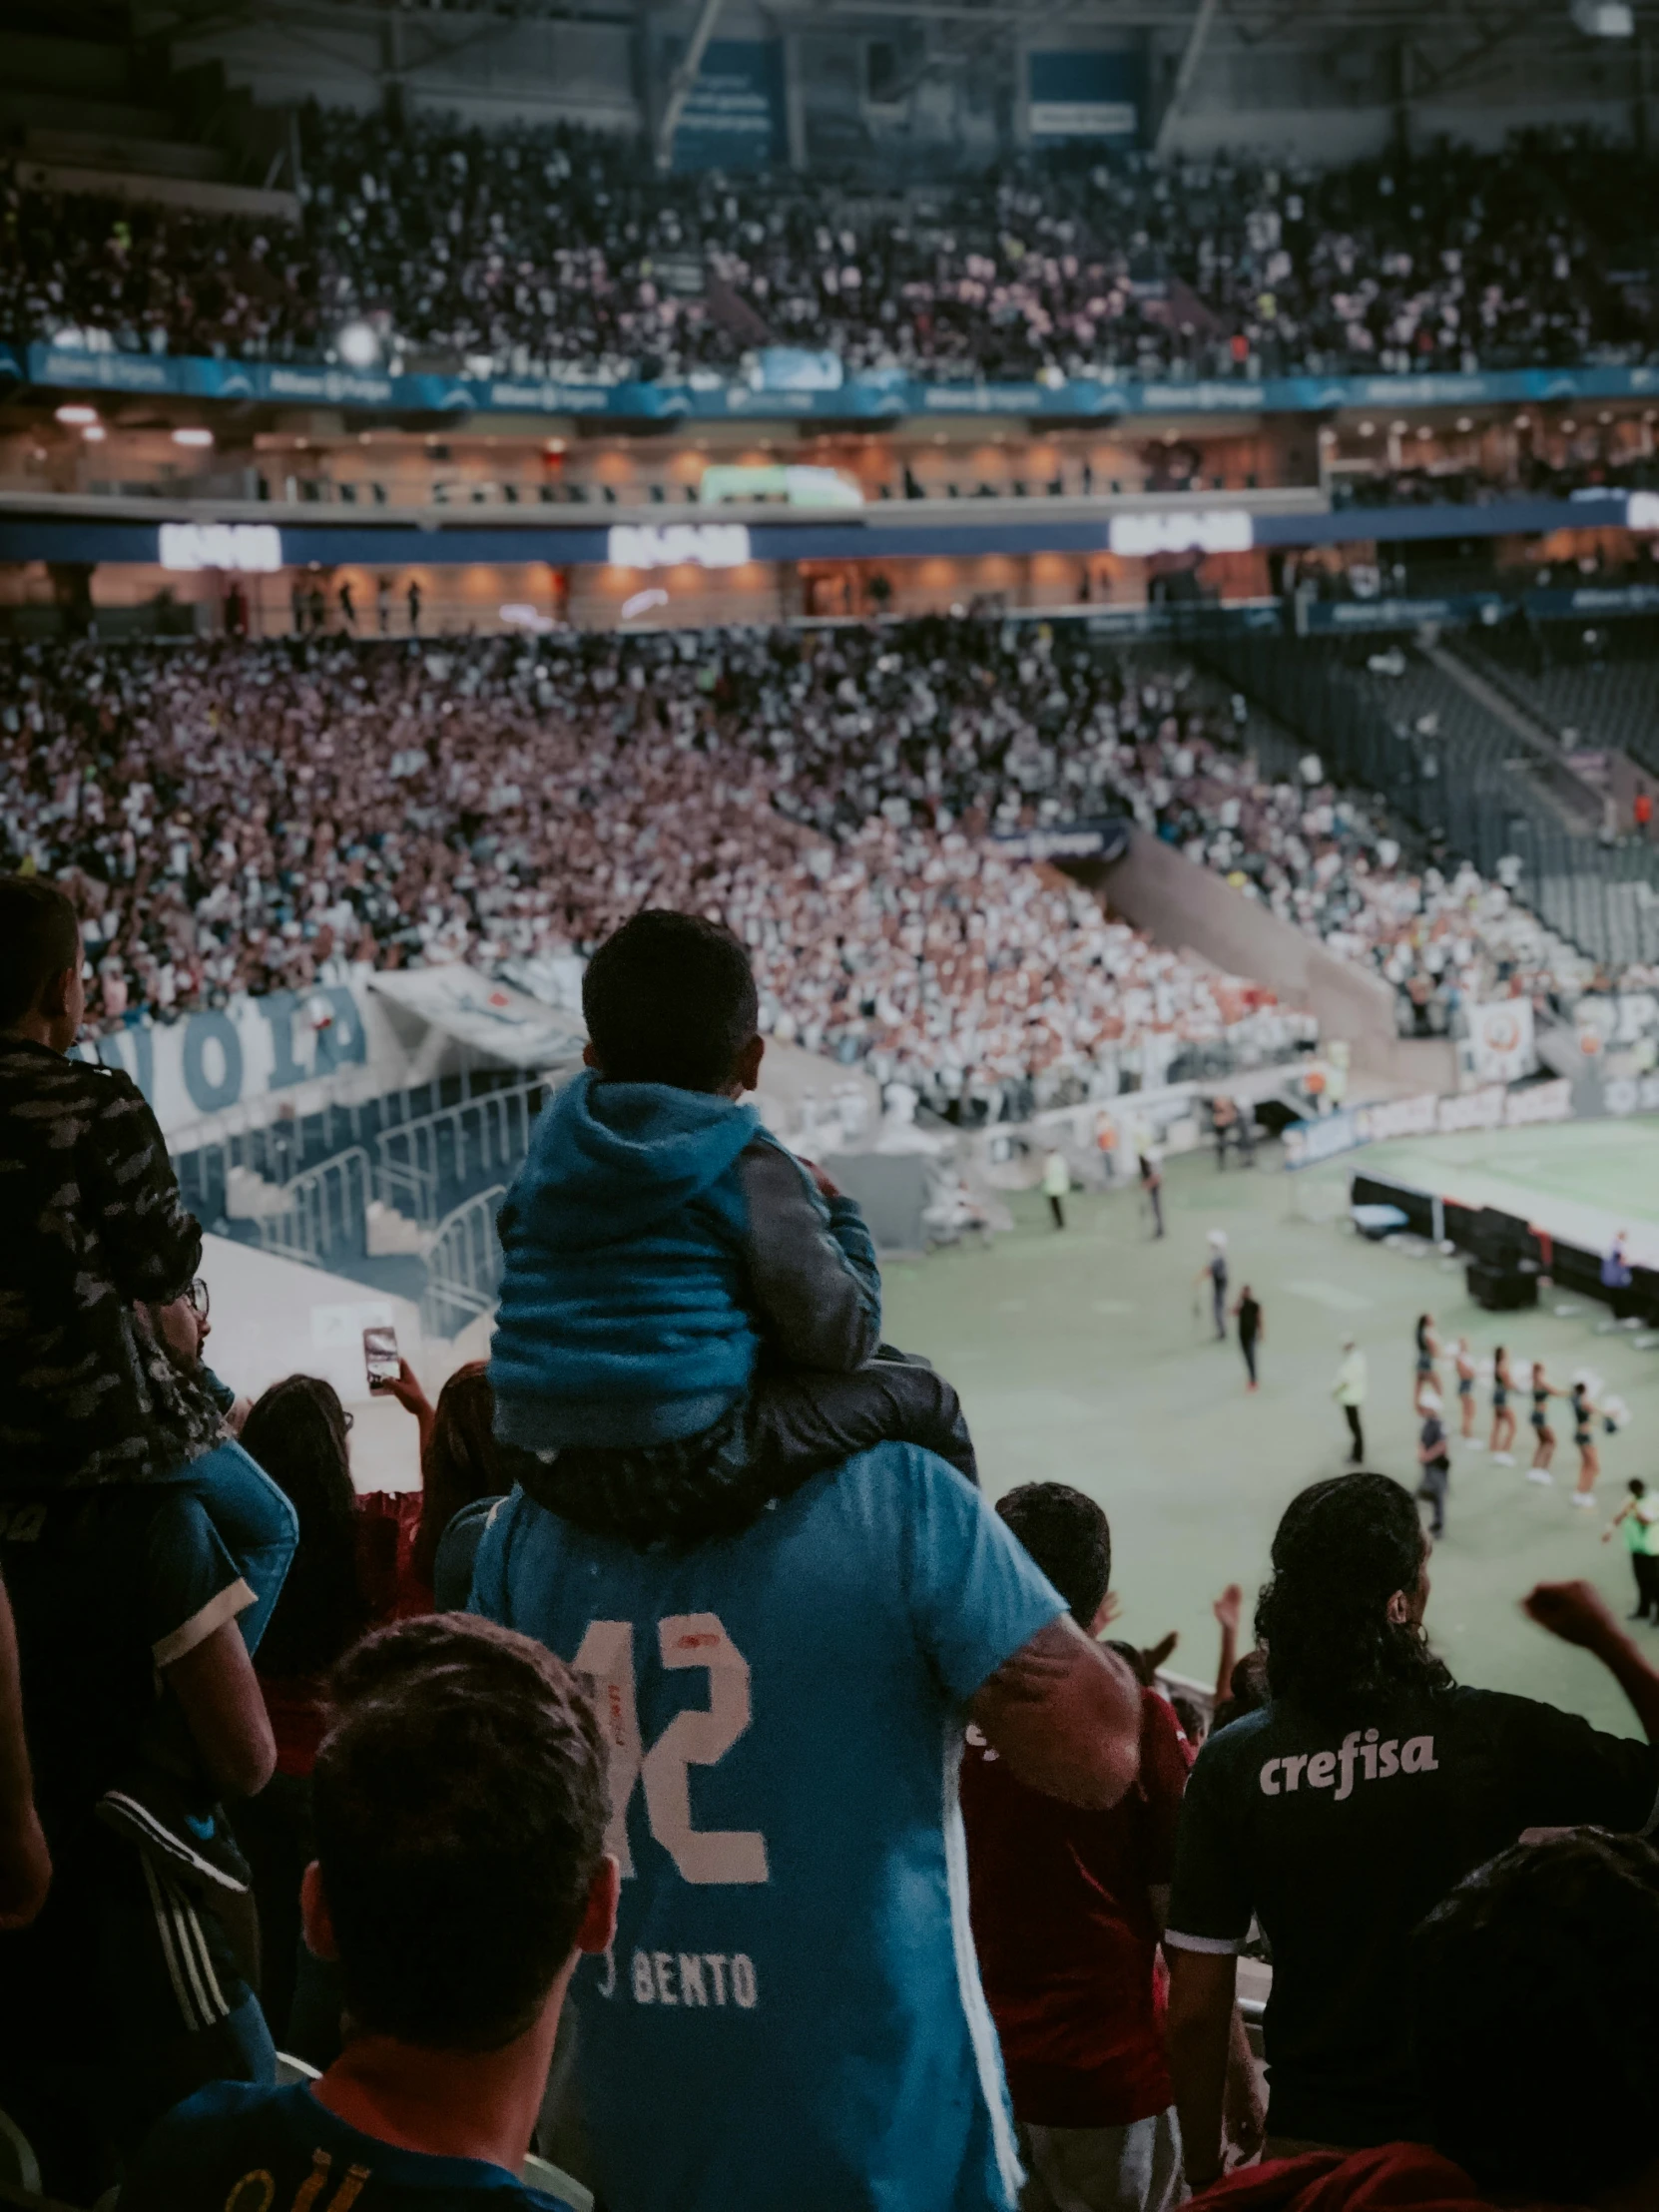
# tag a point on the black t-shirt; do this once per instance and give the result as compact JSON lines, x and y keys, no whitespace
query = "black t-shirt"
{"x":231,"y":2148}
{"x":1339,"y":1843}
{"x":1250,"y":1319}
{"x":1433,"y":1442}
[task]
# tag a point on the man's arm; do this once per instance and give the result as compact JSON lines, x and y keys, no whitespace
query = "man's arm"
{"x":810,"y":1263}
{"x":1227,"y":1609}
{"x":1200,"y":2032}
{"x":1574,"y":1611}
{"x":219,"y":1695}
{"x":1065,"y":1714}
{"x":25,"y":1864}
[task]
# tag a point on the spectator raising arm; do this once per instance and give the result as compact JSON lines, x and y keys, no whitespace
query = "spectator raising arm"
{"x":1066,"y":1715}
{"x":1227,"y":1609}
{"x":1574,"y":1611}
{"x":25,"y":1864}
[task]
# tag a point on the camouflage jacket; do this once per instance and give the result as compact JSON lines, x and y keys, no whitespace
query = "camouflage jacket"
{"x":91,"y":1221}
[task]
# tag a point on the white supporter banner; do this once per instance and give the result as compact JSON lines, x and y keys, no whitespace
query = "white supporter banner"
{"x":1501,"y":1040}
{"x":1428,"y":1115}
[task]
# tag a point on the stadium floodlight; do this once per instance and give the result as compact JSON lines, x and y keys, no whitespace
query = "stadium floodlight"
{"x":357,"y":346}
{"x":76,"y":413}
{"x":192,"y":434}
{"x":1604,"y":18}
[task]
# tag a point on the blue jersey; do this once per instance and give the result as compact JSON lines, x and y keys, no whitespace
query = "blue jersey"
{"x":791,"y":2011}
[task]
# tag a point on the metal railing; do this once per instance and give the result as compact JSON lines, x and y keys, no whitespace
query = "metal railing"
{"x":323,"y":1213}
{"x":484,"y":1136}
{"x":463,"y":1266}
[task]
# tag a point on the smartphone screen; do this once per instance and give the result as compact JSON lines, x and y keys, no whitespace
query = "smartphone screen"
{"x":380,"y":1356}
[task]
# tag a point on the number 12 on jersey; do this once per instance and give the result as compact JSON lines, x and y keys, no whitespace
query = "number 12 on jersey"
{"x":698,"y":1737}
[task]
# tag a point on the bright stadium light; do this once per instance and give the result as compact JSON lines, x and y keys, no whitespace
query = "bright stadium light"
{"x":76,"y":413}
{"x":358,"y":346}
{"x":192,"y":434}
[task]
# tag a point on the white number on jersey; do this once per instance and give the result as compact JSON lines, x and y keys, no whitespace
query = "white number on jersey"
{"x":698,"y":1737}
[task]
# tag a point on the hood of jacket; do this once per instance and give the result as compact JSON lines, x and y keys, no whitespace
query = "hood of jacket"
{"x":609,"y":1161}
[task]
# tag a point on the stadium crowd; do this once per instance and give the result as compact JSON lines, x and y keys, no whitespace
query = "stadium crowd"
{"x":540,"y":249}
{"x":243,"y":818}
{"x":1035,"y":1998}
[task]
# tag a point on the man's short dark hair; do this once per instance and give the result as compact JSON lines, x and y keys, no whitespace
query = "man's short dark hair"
{"x":670,"y":998}
{"x":1536,"y":1999}
{"x":40,"y":937}
{"x":1069,"y":1537}
{"x":460,"y":1808}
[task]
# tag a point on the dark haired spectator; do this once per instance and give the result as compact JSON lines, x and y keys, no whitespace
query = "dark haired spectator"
{"x":1349,"y":1805}
{"x":676,"y":1283}
{"x":794,"y":1945}
{"x":461,"y":1870}
{"x":1068,"y":1906}
{"x":1535,"y":2028}
{"x":463,"y":1475}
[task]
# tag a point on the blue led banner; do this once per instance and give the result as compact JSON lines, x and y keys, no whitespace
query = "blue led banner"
{"x":863,"y":397}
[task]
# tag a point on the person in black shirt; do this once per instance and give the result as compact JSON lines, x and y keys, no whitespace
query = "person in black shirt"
{"x":1252,"y":1329}
{"x":1534,"y":2005}
{"x":1345,"y":1809}
{"x":460,"y":1805}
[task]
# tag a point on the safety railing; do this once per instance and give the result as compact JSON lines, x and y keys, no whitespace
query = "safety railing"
{"x":463,"y":1266}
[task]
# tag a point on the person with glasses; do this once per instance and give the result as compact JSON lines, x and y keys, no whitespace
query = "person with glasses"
{"x":184,"y":1328}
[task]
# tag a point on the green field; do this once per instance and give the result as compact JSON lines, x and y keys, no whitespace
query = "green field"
{"x":1083,"y":1357}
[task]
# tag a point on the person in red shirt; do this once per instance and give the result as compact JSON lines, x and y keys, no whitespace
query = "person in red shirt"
{"x":1067,"y":1908}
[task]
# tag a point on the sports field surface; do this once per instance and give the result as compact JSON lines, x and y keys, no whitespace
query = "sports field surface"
{"x":1087,"y":1357}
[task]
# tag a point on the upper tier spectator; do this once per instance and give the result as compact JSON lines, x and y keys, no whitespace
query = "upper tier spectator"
{"x":530,"y":248}
{"x":792,"y":2014}
{"x":1068,"y":1906}
{"x":1536,"y":2030}
{"x":1345,"y":1809}
{"x":461,"y":1870}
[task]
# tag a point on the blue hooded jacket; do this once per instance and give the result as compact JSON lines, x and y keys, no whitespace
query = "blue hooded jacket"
{"x":655,"y":1238}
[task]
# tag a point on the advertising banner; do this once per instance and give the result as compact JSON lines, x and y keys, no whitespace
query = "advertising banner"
{"x":744,"y":107}
{"x":734,"y":113}
{"x":1084,"y":94}
{"x":1307,"y":1143}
